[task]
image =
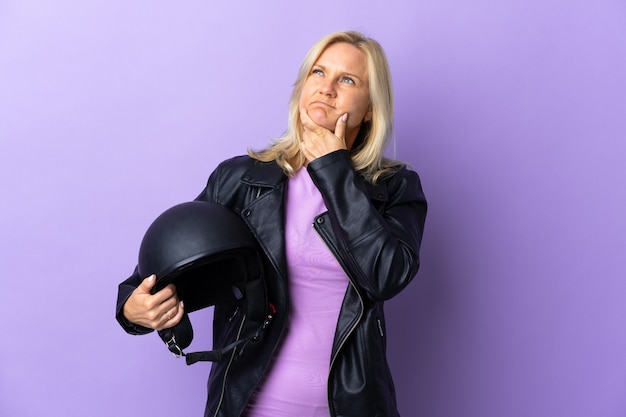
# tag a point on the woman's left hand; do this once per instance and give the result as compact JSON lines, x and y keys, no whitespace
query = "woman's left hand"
{"x":318,"y":141}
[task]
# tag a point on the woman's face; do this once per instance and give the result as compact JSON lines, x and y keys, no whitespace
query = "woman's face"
{"x":337,"y":84}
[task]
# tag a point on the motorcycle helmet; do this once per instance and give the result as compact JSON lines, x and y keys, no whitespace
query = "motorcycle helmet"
{"x":211,"y":256}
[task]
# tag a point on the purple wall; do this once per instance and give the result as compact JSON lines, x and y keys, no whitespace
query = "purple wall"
{"x":513,"y":112}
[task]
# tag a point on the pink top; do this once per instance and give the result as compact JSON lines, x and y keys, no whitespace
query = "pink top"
{"x":297,"y":382}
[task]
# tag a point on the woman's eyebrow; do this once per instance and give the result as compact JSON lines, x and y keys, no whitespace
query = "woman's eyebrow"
{"x":342,"y":72}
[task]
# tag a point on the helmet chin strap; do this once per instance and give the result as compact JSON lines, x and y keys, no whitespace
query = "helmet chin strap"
{"x":183,"y":329}
{"x":258,"y":309}
{"x":217,"y":354}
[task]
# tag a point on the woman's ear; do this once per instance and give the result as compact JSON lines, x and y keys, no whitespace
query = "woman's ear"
{"x":368,"y":114}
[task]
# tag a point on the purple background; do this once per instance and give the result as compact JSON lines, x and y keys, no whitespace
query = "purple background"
{"x":513,"y":112}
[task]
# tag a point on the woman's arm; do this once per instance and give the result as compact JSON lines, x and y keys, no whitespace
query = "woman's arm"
{"x":380,"y":248}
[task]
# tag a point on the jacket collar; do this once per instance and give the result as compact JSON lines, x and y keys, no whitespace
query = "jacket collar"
{"x":264,"y":174}
{"x":269,"y":174}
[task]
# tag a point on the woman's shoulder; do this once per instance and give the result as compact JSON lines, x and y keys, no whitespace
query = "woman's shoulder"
{"x":248,"y":170}
{"x":236,"y":162}
{"x":243,"y":162}
{"x":403,"y":180}
{"x":397,"y":172}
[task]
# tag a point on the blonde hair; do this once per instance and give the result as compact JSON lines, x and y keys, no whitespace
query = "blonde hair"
{"x":373,"y":137}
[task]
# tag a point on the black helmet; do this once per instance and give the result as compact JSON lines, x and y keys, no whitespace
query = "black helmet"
{"x":210,"y":255}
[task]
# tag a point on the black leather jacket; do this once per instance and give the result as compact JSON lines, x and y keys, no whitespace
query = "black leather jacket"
{"x":373,"y":230}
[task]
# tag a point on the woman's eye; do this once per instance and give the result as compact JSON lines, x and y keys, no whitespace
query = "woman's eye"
{"x":347,"y":80}
{"x":317,"y":71}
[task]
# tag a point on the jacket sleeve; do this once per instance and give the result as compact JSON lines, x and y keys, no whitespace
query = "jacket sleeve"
{"x":379,"y":248}
{"x":125,"y":289}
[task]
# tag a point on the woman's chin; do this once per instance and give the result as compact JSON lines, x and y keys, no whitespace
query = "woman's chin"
{"x":321,"y":118}
{"x":324,"y":121}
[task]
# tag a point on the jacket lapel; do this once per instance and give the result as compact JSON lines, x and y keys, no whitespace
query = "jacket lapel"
{"x":264,"y":211}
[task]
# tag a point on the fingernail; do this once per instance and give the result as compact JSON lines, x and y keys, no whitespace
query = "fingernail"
{"x":344,"y":117}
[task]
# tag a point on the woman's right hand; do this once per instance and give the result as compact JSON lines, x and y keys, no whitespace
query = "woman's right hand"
{"x":157,"y":311}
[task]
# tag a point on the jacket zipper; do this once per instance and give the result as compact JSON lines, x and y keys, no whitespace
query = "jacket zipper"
{"x":343,"y":342}
{"x":230,"y":361}
{"x":335,"y":252}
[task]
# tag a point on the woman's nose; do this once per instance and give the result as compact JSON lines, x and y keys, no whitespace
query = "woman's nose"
{"x":327,"y":87}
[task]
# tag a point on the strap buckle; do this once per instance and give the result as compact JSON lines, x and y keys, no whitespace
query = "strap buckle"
{"x":173,"y":347}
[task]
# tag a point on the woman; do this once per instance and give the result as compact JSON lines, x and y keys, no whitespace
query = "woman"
{"x":324,"y":354}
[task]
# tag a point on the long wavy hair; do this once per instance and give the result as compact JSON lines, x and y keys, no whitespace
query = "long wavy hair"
{"x":373,"y":136}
